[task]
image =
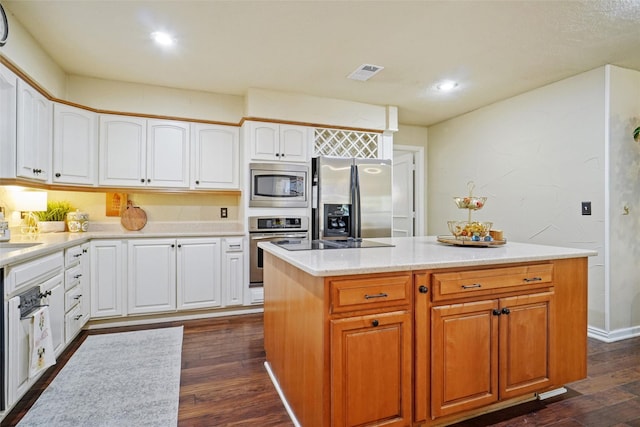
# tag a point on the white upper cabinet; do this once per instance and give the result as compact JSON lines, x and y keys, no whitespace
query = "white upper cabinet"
{"x":75,"y":140}
{"x":276,"y":142}
{"x":8,"y":91}
{"x":136,"y":152}
{"x":167,"y":153}
{"x":123,"y":143}
{"x":33,"y":148}
{"x":215,"y":156}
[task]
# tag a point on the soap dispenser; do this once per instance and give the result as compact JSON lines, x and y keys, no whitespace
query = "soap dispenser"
{"x":5,"y":233}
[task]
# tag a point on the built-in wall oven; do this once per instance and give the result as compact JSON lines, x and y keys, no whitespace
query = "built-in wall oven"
{"x":265,"y":229}
{"x":279,"y":185}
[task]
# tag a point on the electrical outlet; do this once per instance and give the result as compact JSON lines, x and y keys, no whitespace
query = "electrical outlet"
{"x":223,"y":212}
{"x":586,"y":208}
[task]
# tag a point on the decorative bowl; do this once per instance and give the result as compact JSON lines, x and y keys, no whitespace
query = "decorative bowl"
{"x":470,"y":230}
{"x":470,"y":202}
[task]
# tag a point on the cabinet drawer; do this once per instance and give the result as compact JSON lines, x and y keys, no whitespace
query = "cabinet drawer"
{"x":491,"y":281}
{"x":72,"y":297}
{"x":374,"y":292}
{"x":72,"y":256}
{"x":27,"y":273}
{"x":72,"y":323}
{"x":233,"y":244}
{"x":72,"y":277}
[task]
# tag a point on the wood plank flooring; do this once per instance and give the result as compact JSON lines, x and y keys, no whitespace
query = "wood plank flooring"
{"x":224,"y":383}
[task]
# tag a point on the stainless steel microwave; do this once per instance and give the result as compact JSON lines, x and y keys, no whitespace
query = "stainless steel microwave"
{"x":279,"y":185}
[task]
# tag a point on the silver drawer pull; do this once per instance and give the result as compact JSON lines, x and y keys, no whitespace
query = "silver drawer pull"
{"x":380,"y":295}
{"x":475,"y":285}
{"x":533,"y":279}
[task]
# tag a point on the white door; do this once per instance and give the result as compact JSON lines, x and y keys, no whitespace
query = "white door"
{"x":75,"y":140}
{"x":215,"y":156}
{"x":107,"y":278}
{"x":167,"y":153}
{"x":8,"y":106}
{"x":152,"y":275}
{"x":33,"y":134}
{"x":199,"y":275}
{"x":403,"y":194}
{"x":123,"y":147}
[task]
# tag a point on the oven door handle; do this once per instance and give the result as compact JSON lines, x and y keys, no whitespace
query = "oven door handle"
{"x":280,"y":236}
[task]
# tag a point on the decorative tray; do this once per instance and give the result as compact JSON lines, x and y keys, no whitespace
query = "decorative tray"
{"x":451,"y":240}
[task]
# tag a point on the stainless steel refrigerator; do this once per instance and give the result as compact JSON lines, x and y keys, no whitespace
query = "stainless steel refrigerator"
{"x":351,"y":198}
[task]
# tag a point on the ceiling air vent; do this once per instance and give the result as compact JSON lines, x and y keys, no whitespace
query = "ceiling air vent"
{"x":365,"y":72}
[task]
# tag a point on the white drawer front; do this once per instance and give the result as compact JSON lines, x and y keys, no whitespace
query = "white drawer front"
{"x":32,"y":272}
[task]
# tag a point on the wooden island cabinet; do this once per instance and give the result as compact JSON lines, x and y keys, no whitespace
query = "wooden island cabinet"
{"x":377,"y":342}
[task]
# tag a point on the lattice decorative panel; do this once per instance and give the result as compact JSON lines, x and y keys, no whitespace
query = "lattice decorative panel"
{"x":345,"y":143}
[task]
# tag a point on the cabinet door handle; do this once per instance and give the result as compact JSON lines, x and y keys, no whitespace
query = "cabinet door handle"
{"x":506,"y":311}
{"x":475,"y":285}
{"x":380,"y":295}
{"x":423,"y":289}
{"x":197,"y":182}
{"x":173,"y":246}
{"x":58,"y":175}
{"x":142,"y":180}
{"x":375,"y":322}
{"x":533,"y":279}
{"x":496,"y":312}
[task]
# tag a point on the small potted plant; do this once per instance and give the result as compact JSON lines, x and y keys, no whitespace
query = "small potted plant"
{"x":53,"y":219}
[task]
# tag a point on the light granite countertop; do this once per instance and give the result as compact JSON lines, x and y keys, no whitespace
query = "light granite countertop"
{"x":416,"y":253}
{"x":45,"y":243}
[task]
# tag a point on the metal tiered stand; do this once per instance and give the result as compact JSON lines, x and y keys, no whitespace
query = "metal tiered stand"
{"x":470,"y":233}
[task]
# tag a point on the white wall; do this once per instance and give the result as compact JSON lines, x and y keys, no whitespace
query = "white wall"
{"x":26,"y":54}
{"x":536,"y":157}
{"x":146,"y":99}
{"x":624,"y":164}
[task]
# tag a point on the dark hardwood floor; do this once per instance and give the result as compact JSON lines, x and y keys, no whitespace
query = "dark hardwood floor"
{"x":224,"y":383}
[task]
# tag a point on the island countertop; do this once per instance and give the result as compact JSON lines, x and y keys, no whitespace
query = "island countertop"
{"x":416,"y":253}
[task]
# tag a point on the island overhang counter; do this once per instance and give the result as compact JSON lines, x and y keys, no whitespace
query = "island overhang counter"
{"x":421,"y":333}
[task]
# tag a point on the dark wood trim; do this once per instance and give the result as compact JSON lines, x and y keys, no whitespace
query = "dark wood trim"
{"x":90,"y":189}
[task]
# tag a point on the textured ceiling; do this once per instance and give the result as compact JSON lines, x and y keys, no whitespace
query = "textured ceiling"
{"x":495,"y":49}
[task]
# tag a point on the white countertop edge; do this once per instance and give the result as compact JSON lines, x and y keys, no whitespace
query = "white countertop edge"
{"x":419,"y":253}
{"x":51,"y":242}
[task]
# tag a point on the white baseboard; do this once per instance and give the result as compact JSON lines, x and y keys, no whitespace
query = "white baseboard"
{"x":274,"y":380}
{"x":613,"y":336}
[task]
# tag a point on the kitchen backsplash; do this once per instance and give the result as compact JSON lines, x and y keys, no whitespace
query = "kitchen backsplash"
{"x":158,"y":207}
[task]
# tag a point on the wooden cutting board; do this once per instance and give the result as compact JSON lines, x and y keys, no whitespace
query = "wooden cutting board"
{"x":133,"y":218}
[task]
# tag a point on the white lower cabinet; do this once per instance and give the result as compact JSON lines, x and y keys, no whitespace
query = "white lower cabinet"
{"x":169,"y":274}
{"x":53,"y":292}
{"x":107,"y":278}
{"x":198,"y":278}
{"x":233,"y":277}
{"x":152,"y":275}
{"x":160,"y":275}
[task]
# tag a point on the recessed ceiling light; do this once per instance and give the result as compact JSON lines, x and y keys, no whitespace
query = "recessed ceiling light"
{"x":163,"y":38}
{"x":446,"y":85}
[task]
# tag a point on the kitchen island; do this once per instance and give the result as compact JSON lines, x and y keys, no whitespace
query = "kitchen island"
{"x":422,"y":333}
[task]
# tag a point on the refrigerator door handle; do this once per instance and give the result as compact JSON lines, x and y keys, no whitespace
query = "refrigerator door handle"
{"x":355,"y":200}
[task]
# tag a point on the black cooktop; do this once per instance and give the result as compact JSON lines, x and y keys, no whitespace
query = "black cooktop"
{"x":307,"y":245}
